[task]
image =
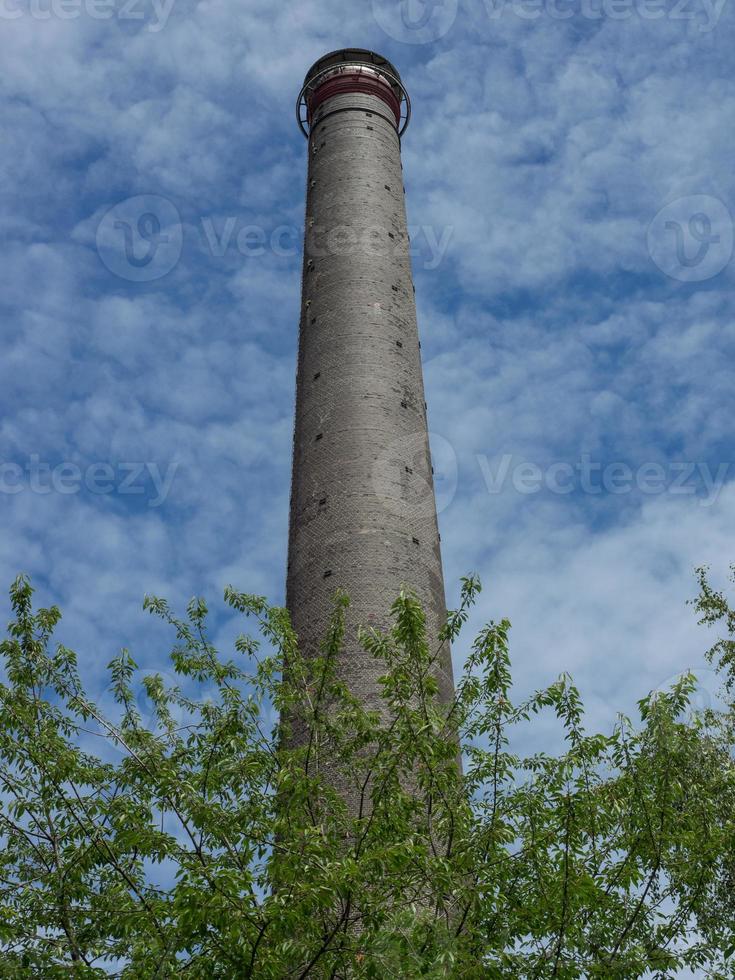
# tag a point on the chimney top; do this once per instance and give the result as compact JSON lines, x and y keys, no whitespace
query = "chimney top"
{"x":351,"y":56}
{"x":369,"y":69}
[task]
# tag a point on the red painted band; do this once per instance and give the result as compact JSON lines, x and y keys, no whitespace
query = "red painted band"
{"x":354,"y":82}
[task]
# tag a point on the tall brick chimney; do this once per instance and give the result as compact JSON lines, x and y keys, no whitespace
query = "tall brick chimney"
{"x":363,"y":514}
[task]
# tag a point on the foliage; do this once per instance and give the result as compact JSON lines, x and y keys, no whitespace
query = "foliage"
{"x":206,"y":847}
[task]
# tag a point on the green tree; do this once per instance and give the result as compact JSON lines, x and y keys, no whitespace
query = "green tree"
{"x":614,"y":858}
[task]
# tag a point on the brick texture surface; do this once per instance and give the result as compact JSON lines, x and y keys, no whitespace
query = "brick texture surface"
{"x":363,"y":516}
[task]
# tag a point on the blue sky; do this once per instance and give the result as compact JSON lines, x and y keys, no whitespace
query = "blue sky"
{"x":570,"y":189}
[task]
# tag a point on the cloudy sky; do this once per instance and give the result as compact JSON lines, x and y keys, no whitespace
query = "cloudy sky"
{"x":570,"y":192}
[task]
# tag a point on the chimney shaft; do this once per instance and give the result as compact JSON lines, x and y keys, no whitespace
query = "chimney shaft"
{"x":363,"y":514}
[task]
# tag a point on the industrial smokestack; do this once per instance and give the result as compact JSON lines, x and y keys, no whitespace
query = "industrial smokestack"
{"x":363,"y":513}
